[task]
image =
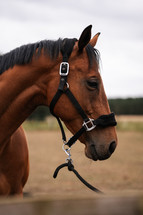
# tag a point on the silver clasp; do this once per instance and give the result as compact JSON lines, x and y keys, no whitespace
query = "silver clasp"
{"x":67,"y":151}
{"x":89,"y":125}
{"x":64,"y":69}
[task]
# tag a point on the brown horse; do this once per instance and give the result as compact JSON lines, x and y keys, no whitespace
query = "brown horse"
{"x":29,"y":78}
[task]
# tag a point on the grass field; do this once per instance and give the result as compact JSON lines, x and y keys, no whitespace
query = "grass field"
{"x":123,"y":172}
{"x":125,"y":123}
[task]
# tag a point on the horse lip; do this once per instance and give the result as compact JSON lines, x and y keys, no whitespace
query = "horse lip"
{"x":91,"y":152}
{"x":91,"y":157}
{"x":105,"y":157}
{"x":95,"y":159}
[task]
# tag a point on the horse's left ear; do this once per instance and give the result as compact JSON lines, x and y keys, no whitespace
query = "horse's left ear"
{"x":84,"y":38}
{"x":93,"y":41}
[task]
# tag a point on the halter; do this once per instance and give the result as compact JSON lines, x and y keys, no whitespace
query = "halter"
{"x":88,"y":123}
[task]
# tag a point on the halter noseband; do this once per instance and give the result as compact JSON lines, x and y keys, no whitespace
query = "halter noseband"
{"x":88,"y":123}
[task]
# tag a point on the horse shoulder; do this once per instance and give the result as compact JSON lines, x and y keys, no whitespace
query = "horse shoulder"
{"x":14,"y":163}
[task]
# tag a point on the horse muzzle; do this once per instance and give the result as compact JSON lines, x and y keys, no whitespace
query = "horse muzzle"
{"x":100,"y":152}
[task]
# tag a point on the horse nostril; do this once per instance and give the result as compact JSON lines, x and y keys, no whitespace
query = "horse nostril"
{"x":112,"y":147}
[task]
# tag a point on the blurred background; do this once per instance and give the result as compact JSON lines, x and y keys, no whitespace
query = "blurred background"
{"x":120,"y":42}
{"x":121,"y":48}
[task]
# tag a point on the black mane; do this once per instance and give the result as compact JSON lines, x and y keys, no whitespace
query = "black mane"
{"x":23,"y":55}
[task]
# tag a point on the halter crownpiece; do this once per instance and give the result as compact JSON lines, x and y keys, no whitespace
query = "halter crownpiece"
{"x":88,"y":123}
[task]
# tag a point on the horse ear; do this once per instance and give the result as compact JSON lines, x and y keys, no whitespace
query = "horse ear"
{"x":84,"y":38}
{"x":93,"y":41}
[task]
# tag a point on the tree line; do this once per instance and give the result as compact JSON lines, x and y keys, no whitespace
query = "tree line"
{"x":129,"y":106}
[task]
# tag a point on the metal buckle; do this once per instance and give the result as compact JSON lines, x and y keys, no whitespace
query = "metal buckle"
{"x":67,"y":151}
{"x":89,"y":125}
{"x":64,"y":69}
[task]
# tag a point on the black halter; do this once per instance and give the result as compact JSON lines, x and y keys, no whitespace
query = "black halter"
{"x":88,"y":123}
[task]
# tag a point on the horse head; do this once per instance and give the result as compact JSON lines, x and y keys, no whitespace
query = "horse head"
{"x":85,"y":83}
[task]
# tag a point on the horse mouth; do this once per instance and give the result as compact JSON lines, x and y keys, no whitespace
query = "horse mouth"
{"x":91,"y":153}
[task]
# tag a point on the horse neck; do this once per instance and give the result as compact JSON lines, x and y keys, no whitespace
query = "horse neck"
{"x":22,"y":89}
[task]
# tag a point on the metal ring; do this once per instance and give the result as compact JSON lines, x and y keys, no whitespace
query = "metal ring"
{"x":67,"y":151}
{"x":67,"y":85}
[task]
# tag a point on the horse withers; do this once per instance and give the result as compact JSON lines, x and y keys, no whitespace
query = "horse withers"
{"x":29,"y":78}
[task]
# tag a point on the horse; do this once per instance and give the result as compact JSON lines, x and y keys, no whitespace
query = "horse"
{"x":30,"y":78}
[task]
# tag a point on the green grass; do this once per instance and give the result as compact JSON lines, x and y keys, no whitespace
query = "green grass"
{"x":51,"y":124}
{"x":130,"y":126}
{"x":35,"y":125}
{"x":121,"y":173}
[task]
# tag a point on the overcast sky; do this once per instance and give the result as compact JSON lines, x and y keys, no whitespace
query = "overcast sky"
{"x":119,"y":21}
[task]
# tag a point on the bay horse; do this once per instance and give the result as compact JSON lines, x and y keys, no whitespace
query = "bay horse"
{"x":29,"y":78}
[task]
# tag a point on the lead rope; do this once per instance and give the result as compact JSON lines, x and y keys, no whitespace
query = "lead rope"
{"x":70,"y":166}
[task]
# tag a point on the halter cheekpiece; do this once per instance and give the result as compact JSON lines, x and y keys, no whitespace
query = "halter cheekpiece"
{"x":88,"y":123}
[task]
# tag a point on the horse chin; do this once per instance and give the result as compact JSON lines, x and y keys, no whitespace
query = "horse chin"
{"x":94,"y":158}
{"x":91,"y":153}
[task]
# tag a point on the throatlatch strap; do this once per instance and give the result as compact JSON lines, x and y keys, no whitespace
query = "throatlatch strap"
{"x":62,"y":130}
{"x":54,"y":101}
{"x":58,"y":94}
{"x":52,"y":105}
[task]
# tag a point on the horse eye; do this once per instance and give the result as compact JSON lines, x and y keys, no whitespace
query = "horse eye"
{"x":92,"y":84}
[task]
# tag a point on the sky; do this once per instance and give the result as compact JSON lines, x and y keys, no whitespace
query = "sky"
{"x":120,"y":43}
